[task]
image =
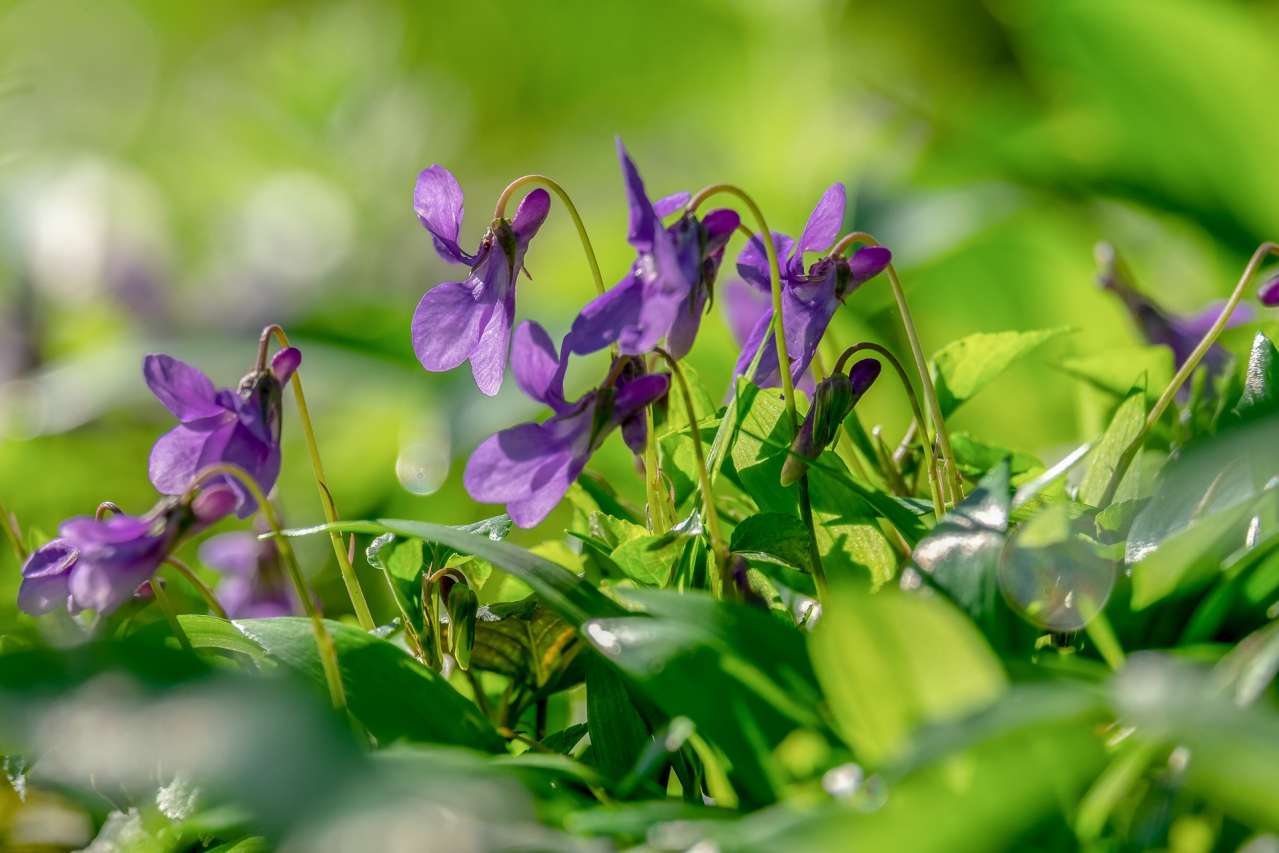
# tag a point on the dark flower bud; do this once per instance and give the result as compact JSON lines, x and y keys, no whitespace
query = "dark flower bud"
{"x":739,"y":574}
{"x":832,"y":401}
{"x":1268,"y":293}
{"x":463,"y":608}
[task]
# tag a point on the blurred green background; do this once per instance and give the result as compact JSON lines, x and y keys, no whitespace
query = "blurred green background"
{"x":173,"y":176}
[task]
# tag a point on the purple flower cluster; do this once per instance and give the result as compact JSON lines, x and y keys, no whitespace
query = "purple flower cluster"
{"x":809,"y":299}
{"x":97,"y":564}
{"x":659,"y":301}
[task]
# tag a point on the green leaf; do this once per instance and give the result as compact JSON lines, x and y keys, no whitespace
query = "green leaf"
{"x":777,"y":535}
{"x":401,"y":557}
{"x":963,"y":367}
{"x":566,"y":740}
{"x":573,"y":598}
{"x":1124,"y":428}
{"x":961,"y":554}
{"x":390,"y":693}
{"x":740,"y":674}
{"x":1260,"y":395}
{"x":648,"y":560}
{"x":890,"y":662}
{"x":618,"y":732}
{"x":524,"y":640}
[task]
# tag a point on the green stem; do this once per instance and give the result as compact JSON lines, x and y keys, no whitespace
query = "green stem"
{"x":921,"y":363}
{"x":13,"y":533}
{"x":192,"y":578}
{"x":934,"y":478}
{"x":499,"y":212}
{"x":353,"y":589}
{"x":657,"y":520}
{"x":323,"y":640}
{"x":170,"y":614}
{"x":718,"y":548}
{"x":1187,"y":368}
{"x":779,"y":341}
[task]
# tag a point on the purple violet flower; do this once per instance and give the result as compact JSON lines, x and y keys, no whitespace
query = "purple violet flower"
{"x":254,"y":585}
{"x":460,"y":320}
{"x":530,"y":467}
{"x":809,"y":300}
{"x":241,"y":427}
{"x":665,"y":292}
{"x":98,"y":564}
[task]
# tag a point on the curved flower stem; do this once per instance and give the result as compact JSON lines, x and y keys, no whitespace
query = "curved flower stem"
{"x":107,"y":508}
{"x":200,"y":586}
{"x":775,"y":286}
{"x":499,"y":212}
{"x":323,"y":641}
{"x":1187,"y":368}
{"x":170,"y":614}
{"x":934,"y":478}
{"x":349,"y":578}
{"x":921,"y":363}
{"x":13,"y":533}
{"x":718,"y":547}
{"x":783,"y":356}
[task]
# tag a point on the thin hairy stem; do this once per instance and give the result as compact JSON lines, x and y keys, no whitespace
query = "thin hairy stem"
{"x":934,"y":478}
{"x":200,"y":586}
{"x":657,"y":520}
{"x":170,"y":614}
{"x":779,"y":341}
{"x":1187,"y":368}
{"x":107,"y":508}
{"x":499,"y":212}
{"x":353,"y":589}
{"x":323,"y":640}
{"x":921,"y":362}
{"x":13,"y":533}
{"x":718,"y":547}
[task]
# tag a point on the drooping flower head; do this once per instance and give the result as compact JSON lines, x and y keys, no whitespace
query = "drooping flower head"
{"x":1181,"y":334}
{"x":809,"y":299}
{"x":471,"y":319}
{"x":241,"y":427}
{"x":253,"y":585}
{"x":98,"y":563}
{"x":530,"y":467}
{"x":667,"y":287}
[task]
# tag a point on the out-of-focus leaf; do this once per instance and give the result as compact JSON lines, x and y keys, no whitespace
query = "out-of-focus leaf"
{"x":741,"y":675}
{"x":1234,"y":750}
{"x":1124,"y":428}
{"x":1116,"y":371}
{"x":980,"y":783}
{"x":976,"y":459}
{"x":634,"y":822}
{"x":961,"y":554}
{"x":963,"y":367}
{"x":890,"y":662}
{"x":394,"y":696}
{"x":566,"y":740}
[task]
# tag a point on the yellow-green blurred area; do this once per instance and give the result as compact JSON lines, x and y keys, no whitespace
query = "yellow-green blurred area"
{"x":173,"y":176}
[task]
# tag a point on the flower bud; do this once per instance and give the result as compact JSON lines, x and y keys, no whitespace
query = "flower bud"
{"x":214,"y":502}
{"x":463,"y":607}
{"x":1268,"y":293}
{"x":832,"y":401}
